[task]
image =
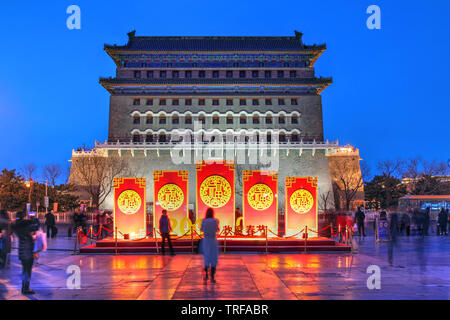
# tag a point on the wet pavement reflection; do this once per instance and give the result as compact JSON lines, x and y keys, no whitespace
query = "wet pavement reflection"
{"x":411,"y":268}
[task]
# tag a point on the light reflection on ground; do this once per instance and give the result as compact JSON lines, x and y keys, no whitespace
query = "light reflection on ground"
{"x":415,"y":268}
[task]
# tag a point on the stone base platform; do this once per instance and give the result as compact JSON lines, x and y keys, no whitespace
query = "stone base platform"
{"x":234,"y":244}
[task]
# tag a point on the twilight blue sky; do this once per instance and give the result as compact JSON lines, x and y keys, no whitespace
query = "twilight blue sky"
{"x":390,"y":95}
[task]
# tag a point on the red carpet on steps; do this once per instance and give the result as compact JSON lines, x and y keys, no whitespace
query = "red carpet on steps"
{"x":230,"y":245}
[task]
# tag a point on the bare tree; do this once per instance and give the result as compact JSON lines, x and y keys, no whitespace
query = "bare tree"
{"x":95,"y":173}
{"x":434,"y":168}
{"x":348,"y":179}
{"x":391,"y":168}
{"x":423,"y":176}
{"x":28,"y":171}
{"x":52,"y":172}
{"x":325,"y":200}
{"x":412,"y":168}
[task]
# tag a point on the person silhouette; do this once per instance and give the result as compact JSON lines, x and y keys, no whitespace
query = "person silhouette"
{"x":209,"y":246}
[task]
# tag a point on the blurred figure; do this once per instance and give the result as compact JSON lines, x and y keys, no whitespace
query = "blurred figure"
{"x":96,"y":226}
{"x":25,"y":229}
{"x":360,"y":217}
{"x":83,"y":222}
{"x":393,"y":225}
{"x":406,"y":223}
{"x":50,"y":222}
{"x":418,"y":221}
{"x":103,"y":221}
{"x":5,"y":238}
{"x":426,"y":221}
{"x":209,"y":246}
{"x":76,"y":217}
{"x":192,"y":216}
{"x":442,"y":220}
{"x":165,"y":228}
{"x":448,"y":220}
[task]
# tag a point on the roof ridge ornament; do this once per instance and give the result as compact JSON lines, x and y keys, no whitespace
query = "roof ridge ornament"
{"x":131,"y":34}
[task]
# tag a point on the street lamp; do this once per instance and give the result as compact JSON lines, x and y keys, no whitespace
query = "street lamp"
{"x":29,"y":184}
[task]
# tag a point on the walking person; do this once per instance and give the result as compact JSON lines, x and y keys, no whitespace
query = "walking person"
{"x":50,"y":222}
{"x":164,"y":229}
{"x":25,"y":229}
{"x":103,"y":221}
{"x":5,"y":238}
{"x":76,"y":220}
{"x":393,"y":229}
{"x":209,"y":246}
{"x":360,"y":217}
{"x":442,"y":220}
{"x":406,"y":223}
{"x":426,"y":221}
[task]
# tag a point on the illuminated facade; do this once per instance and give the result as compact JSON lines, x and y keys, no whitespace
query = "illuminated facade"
{"x":241,"y":92}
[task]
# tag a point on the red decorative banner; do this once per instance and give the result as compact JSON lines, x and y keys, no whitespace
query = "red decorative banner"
{"x":129,"y":208}
{"x":171,"y":193}
{"x":301,"y":205}
{"x":260,"y":200}
{"x":215,"y":189}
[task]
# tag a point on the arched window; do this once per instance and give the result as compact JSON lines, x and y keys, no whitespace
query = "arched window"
{"x":136,"y":137}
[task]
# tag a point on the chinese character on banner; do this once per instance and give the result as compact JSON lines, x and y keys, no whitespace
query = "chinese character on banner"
{"x":129,"y":207}
{"x":301,"y":205}
{"x":215,"y":189}
{"x":170,"y":192}
{"x":260,"y":200}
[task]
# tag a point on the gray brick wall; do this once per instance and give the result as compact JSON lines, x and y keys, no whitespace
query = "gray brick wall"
{"x":121,"y":109}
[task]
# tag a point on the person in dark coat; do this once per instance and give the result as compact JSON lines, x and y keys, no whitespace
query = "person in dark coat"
{"x":418,"y":220}
{"x":25,"y":229}
{"x":360,"y":217}
{"x":448,"y":220}
{"x":406,"y":223}
{"x":442,"y":220}
{"x":83,"y":222}
{"x":393,"y":229}
{"x":76,"y":220}
{"x":164,"y":229}
{"x":50,"y":222}
{"x":426,"y":221}
{"x":5,"y":238}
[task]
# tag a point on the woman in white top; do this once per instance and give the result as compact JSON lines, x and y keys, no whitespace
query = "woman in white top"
{"x":209,"y":246}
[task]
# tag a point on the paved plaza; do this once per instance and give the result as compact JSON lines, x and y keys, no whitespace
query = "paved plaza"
{"x":415,"y":268}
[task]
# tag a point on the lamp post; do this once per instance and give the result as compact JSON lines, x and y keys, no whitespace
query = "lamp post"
{"x":29,"y":184}
{"x":46,"y":197}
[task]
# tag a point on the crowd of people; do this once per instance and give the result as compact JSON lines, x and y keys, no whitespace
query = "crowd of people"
{"x":406,"y":222}
{"x":32,"y":240}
